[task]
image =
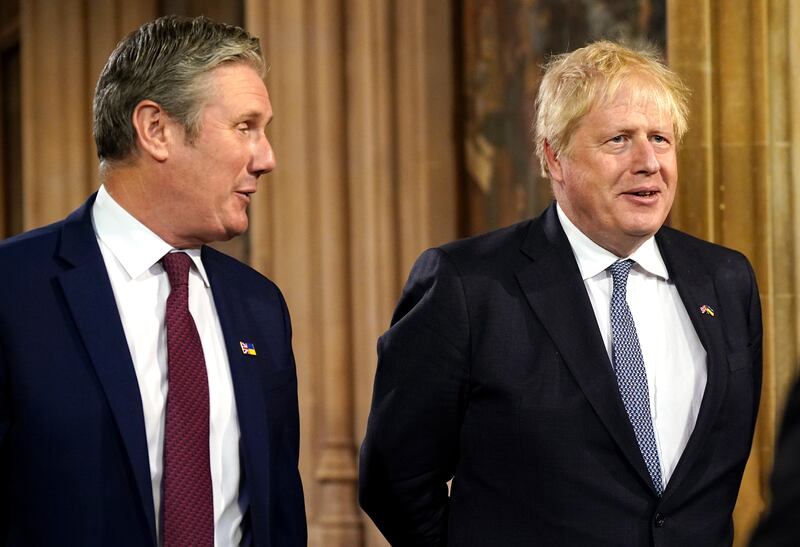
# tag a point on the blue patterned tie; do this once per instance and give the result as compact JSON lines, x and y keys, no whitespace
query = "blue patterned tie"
{"x":631,"y":375}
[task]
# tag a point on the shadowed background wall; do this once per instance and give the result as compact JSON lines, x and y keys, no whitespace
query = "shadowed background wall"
{"x":401,"y":125}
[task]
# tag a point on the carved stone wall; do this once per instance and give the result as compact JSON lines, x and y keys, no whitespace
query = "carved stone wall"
{"x":363,"y":94}
{"x":64,"y":45}
{"x":739,"y":177}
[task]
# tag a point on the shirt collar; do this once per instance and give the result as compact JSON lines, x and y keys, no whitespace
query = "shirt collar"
{"x":132,"y":243}
{"x":593,"y":259}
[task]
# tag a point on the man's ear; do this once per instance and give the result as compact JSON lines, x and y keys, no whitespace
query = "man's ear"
{"x":553,"y":163}
{"x":153,"y":129}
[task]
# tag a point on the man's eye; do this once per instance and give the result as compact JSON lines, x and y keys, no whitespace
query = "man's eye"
{"x":243,"y":127}
{"x":619,"y":139}
{"x":659,"y":139}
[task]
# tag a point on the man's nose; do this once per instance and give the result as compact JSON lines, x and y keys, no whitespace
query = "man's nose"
{"x":263,"y":157}
{"x":645,"y":160}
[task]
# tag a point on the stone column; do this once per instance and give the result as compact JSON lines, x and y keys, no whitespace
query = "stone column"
{"x":738,"y":176}
{"x":64,"y":46}
{"x":363,"y":97}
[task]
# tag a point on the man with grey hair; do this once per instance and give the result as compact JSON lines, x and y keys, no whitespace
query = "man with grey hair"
{"x":588,"y":377}
{"x":148,"y":391}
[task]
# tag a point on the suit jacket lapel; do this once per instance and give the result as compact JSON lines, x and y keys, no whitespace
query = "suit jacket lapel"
{"x":696,"y":289}
{"x":230,"y":299}
{"x":90,"y":298}
{"x":554,"y":288}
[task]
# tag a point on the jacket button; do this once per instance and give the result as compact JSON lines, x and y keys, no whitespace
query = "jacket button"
{"x":659,"y":521}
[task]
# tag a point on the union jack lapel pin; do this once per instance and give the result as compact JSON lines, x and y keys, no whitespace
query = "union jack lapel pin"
{"x":707,"y":310}
{"x":247,"y":348}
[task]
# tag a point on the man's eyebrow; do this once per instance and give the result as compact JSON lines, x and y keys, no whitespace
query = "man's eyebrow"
{"x":631,"y":129}
{"x":252,"y":114}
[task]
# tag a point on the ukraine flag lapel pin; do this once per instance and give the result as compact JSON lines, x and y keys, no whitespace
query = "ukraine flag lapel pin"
{"x":707,"y":310}
{"x":248,"y":348}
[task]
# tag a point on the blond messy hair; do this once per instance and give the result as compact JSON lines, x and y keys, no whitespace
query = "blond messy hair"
{"x":575,"y":82}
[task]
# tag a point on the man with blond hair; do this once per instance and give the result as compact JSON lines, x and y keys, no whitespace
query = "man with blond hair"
{"x":589,"y":377}
{"x":148,"y":394}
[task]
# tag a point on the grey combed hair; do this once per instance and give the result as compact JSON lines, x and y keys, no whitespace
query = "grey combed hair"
{"x":165,"y":61}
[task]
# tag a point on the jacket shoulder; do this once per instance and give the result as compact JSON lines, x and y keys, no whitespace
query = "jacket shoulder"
{"x":705,"y":252}
{"x":233,"y":270}
{"x":489,"y":247}
{"x":29,"y":248}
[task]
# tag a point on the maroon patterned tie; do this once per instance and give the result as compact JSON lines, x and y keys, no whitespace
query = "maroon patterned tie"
{"x":187,"y":503}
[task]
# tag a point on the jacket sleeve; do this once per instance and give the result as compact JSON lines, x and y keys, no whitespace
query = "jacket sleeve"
{"x":780,"y":525}
{"x":420,"y":394}
{"x":5,"y":426}
{"x":291,"y":509}
{"x":756,"y":340}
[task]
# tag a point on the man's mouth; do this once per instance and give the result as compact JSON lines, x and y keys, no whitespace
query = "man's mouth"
{"x":245,"y":195}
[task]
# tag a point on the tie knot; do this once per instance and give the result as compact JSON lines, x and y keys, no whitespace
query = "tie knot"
{"x":177,"y":267}
{"x":619,"y":271}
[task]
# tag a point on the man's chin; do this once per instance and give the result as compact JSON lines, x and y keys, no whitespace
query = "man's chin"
{"x":645,"y":225}
{"x":235,"y":231}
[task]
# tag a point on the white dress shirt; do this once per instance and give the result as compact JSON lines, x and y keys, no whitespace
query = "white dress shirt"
{"x":131,"y":253}
{"x":674,"y":358}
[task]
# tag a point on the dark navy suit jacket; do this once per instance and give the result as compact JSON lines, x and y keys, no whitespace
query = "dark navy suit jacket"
{"x":780,"y":525}
{"x":494,"y":373}
{"x":73,"y":455}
